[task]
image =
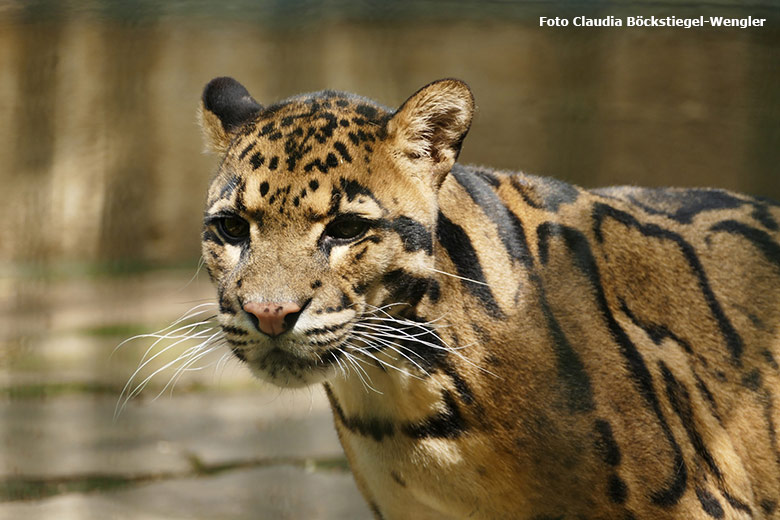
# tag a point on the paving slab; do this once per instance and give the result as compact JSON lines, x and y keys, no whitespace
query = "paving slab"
{"x":256,"y":494}
{"x":55,"y":330}
{"x":76,"y":434}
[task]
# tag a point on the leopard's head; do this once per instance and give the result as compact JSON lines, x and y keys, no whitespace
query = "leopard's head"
{"x":322,"y":217}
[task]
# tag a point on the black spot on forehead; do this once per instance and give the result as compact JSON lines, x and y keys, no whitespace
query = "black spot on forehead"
{"x":366,"y":110}
{"x":353,"y":188}
{"x":267,"y":129}
{"x":343,"y":151}
{"x":246,"y":150}
{"x":335,"y":200}
{"x":257,"y":160}
{"x":228,"y":187}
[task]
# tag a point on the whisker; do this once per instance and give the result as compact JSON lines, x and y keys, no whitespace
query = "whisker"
{"x":367,"y":340}
{"x":206,"y":334}
{"x":358,"y":369}
{"x":145,"y":362}
{"x":338,"y":362}
{"x":159,"y":333}
{"x":415,"y":339}
{"x":201,"y":263}
{"x":191,"y":333}
{"x":140,"y":386}
{"x":179,"y":339}
{"x":221,"y":366}
{"x":395,"y":347}
{"x":186,"y":366}
{"x":456,"y":276}
{"x":399,"y":331}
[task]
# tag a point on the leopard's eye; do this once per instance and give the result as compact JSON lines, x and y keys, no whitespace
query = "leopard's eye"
{"x":234,"y":229}
{"x":346,"y":228}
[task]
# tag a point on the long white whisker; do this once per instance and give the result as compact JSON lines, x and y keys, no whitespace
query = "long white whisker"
{"x":205,"y":332}
{"x":190,"y":332}
{"x":360,"y":371}
{"x":369,"y":341}
{"x":222,"y":364}
{"x":141,"y":367}
{"x":201,"y":262}
{"x":400,"y":332}
{"x":140,"y":386}
{"x":395,"y":347}
{"x":162,"y":332}
{"x":186,"y":366}
{"x":185,"y":357}
{"x":414,"y":339}
{"x":374,"y":310}
{"x":456,"y":276}
{"x":341,"y":367}
{"x":179,"y":339}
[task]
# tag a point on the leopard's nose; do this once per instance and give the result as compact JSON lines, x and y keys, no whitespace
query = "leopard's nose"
{"x":273,"y":318}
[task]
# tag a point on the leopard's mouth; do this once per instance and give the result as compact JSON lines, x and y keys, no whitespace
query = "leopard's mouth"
{"x":279,"y":356}
{"x":284,"y":368}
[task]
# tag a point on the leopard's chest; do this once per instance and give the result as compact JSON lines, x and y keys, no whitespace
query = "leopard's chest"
{"x":396,"y":474}
{"x":426,"y":478}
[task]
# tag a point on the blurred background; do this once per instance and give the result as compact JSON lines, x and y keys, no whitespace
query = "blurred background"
{"x":102,"y":182}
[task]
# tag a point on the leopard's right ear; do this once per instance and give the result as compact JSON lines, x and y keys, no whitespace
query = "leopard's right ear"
{"x":430,"y":126}
{"x":225,"y":108}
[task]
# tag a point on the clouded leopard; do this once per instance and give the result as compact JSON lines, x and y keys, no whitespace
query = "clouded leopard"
{"x":495,"y":344}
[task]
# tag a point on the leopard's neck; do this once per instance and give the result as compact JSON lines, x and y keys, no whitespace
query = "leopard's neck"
{"x":444,"y":347}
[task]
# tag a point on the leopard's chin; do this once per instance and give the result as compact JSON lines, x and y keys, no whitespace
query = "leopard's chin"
{"x":287,"y":370}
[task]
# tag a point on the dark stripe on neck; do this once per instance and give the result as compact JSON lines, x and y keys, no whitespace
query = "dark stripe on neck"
{"x":657,"y":333}
{"x":447,"y":424}
{"x":483,"y":195}
{"x":460,"y":250}
{"x":374,"y":428}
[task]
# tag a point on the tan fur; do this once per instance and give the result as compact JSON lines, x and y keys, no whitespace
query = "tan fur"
{"x":427,"y":126}
{"x":216,"y":139}
{"x":540,"y":351}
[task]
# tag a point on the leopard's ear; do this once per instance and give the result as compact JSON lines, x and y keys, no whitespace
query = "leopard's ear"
{"x":224,"y":108}
{"x":430,"y":126}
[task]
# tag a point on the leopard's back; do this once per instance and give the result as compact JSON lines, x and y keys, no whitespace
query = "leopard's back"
{"x":659,"y":313}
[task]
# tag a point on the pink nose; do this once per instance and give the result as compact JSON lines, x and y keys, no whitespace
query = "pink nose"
{"x":271,"y":317}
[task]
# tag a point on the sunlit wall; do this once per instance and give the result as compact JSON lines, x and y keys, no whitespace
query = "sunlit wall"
{"x":101,"y":157}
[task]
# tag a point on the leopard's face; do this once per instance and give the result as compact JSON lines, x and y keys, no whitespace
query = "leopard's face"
{"x":311,"y":228}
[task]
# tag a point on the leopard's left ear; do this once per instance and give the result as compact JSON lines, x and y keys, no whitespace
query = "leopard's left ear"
{"x":225,"y":108}
{"x":430,"y":126}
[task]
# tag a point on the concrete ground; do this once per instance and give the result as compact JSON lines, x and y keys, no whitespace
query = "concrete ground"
{"x":219,"y":446}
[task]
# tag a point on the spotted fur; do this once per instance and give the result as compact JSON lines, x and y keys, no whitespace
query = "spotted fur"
{"x":493,"y":344}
